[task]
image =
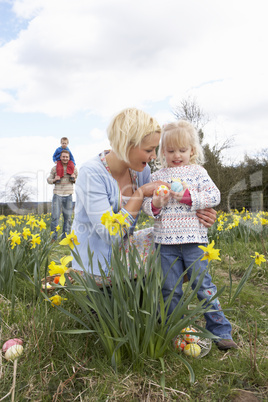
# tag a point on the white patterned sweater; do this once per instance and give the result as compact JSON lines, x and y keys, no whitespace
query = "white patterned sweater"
{"x":177,"y":223}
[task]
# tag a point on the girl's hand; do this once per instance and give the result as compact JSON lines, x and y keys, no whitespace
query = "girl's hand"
{"x":207,"y":216}
{"x":178,"y":195}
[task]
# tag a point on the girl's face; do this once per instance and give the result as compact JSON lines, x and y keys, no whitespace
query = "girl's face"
{"x":178,"y":156}
{"x":139,"y":156}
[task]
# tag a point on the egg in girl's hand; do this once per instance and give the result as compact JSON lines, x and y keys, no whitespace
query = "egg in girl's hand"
{"x":176,"y":186}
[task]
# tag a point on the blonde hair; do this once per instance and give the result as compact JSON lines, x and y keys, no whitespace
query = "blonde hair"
{"x":127,"y":130}
{"x":181,"y":134}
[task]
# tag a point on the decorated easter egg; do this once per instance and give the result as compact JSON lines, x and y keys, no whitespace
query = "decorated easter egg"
{"x":176,"y":186}
{"x":56,"y":279}
{"x":180,"y":343}
{"x":14,"y":352}
{"x":192,"y":349}
{"x":190,"y":338}
{"x":162,"y":189}
{"x":11,"y":342}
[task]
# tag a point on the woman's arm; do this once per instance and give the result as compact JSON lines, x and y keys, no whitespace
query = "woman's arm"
{"x":207,"y":216}
{"x":134,"y":204}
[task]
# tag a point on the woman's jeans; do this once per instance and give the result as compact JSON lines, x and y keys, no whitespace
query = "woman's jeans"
{"x":62,"y":204}
{"x":216,"y":322}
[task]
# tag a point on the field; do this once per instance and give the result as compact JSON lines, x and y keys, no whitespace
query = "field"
{"x":71,"y":355}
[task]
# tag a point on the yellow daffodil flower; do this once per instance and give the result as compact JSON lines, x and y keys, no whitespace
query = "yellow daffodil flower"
{"x":60,"y":269}
{"x":210,"y":253}
{"x":70,"y":240}
{"x":56,"y":300}
{"x":25,"y":233}
{"x":113,"y":222}
{"x":11,"y":222}
{"x":14,"y":238}
{"x":42,"y":225}
{"x":57,"y":228}
{"x":36,"y":239}
{"x":32,"y":222}
{"x":259,"y":258}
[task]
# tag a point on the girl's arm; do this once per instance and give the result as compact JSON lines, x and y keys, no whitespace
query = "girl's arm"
{"x":206,"y":195}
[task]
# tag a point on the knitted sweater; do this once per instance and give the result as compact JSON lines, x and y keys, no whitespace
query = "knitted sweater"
{"x":177,"y":223}
{"x":65,"y":187}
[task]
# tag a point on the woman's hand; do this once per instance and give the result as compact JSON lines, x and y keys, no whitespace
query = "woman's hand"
{"x":160,"y":200}
{"x":149,"y":188}
{"x":207,"y":216}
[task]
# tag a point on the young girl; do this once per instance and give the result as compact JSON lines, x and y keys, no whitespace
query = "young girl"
{"x":177,"y":227}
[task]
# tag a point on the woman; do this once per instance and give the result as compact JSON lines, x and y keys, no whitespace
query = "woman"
{"x":118,"y":180}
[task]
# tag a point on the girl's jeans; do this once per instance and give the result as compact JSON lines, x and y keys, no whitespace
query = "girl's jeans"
{"x":62,"y":204}
{"x":216,"y":322}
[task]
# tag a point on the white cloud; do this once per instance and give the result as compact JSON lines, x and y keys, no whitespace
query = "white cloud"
{"x":72,"y":55}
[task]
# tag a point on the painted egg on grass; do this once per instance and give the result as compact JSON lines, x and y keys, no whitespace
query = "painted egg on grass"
{"x":190,"y":338}
{"x":192,"y":349}
{"x":11,"y":342}
{"x":180,"y":343}
{"x":14,"y":352}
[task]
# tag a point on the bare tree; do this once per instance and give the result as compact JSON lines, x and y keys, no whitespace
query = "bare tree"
{"x":19,"y":190}
{"x":188,"y":109}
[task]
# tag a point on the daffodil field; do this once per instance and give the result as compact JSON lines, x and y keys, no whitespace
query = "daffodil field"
{"x":90,"y":343}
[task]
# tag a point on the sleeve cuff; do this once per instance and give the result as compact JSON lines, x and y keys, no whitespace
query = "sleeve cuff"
{"x":186,"y":198}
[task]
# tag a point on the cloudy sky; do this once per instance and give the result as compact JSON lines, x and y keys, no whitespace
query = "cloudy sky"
{"x":66,"y":67}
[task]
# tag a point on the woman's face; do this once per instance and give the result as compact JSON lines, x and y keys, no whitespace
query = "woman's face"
{"x":139,"y":156}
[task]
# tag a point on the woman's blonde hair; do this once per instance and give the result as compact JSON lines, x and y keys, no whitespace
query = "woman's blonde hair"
{"x":128,"y":128}
{"x":181,"y":134}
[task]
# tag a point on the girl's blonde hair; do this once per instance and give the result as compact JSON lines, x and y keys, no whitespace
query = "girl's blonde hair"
{"x":128,"y":128}
{"x":181,"y":134}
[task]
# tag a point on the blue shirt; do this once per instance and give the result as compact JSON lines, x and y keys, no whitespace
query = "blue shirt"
{"x":96,"y":193}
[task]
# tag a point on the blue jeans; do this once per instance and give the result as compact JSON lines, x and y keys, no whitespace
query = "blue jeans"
{"x":216,"y":322}
{"x":62,"y":204}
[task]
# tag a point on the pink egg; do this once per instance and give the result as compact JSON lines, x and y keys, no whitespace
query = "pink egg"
{"x":11,"y":342}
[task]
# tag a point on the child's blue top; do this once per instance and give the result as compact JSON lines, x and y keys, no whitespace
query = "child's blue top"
{"x":56,"y":155}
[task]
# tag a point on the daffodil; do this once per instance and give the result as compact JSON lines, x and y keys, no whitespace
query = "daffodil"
{"x":70,"y":240}
{"x":210,"y":253}
{"x":113,"y":222}
{"x":25,"y":233}
{"x":32,"y":222}
{"x":11,"y":222}
{"x":259,"y":258}
{"x":56,"y":300}
{"x":35,"y":240}
{"x":60,"y":269}
{"x":57,"y":228}
{"x":42,"y":225}
{"x":14,"y":238}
